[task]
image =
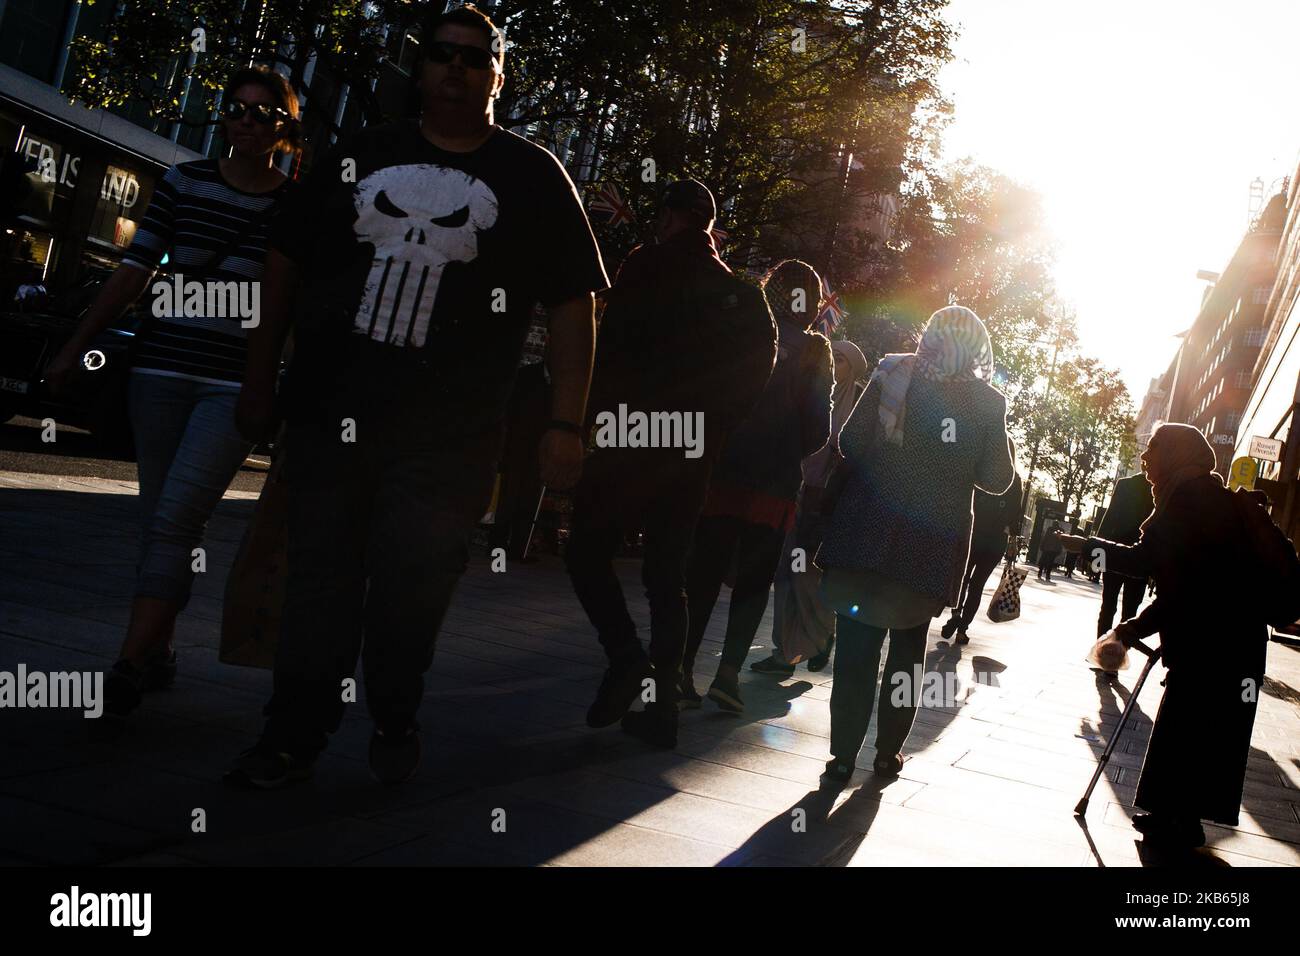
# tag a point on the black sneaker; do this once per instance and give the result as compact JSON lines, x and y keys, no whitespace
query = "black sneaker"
{"x":394,"y":757}
{"x":819,"y":662}
{"x":772,"y":665}
{"x":159,"y":671}
{"x":263,"y":768}
{"x":618,"y":689}
{"x":839,"y":770}
{"x":123,"y":688}
{"x":688,"y":698}
{"x":656,"y":725}
{"x":949,"y":627}
{"x":725,"y":692}
{"x":962,"y":636}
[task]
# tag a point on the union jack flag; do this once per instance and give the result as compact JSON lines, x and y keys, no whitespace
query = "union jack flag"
{"x":609,"y":201}
{"x":832,"y":313}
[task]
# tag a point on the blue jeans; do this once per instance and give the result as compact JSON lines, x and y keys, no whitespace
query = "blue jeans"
{"x":187,"y":451}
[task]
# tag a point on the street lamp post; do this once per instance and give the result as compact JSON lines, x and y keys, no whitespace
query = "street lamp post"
{"x":1033,"y":457}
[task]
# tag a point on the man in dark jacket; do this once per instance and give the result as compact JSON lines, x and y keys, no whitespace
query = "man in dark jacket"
{"x":1122,"y":523}
{"x":680,"y":336}
{"x":996,"y":518}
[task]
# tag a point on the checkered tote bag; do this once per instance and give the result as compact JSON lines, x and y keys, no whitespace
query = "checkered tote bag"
{"x":1005,"y":604}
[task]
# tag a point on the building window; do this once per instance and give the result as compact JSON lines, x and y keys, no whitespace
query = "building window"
{"x":1255,"y":337}
{"x":1243,"y":380}
{"x":1260,"y":296}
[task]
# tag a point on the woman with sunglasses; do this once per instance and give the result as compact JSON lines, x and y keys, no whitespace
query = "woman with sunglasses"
{"x":210,"y":218}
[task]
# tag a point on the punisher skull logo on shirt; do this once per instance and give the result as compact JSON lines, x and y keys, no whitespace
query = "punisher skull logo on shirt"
{"x":419,"y":218}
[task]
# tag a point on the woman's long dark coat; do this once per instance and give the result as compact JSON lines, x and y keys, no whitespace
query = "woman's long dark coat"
{"x":1214,"y":645}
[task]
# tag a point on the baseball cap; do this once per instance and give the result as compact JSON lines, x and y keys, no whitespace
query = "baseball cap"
{"x":690,"y":194}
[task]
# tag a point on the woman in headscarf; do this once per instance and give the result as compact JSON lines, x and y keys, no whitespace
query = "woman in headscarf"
{"x":1213,"y":643}
{"x":803,"y":627}
{"x":929,"y":430}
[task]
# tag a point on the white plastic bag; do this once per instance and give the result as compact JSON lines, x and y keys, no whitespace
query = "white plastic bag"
{"x":1109,"y":653}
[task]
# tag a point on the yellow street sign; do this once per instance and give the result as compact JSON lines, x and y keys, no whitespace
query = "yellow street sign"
{"x":1243,"y":473}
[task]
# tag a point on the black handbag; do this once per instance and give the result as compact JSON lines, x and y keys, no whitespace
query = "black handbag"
{"x":839,"y":476}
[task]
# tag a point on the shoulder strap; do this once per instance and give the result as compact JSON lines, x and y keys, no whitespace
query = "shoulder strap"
{"x":235,"y":241}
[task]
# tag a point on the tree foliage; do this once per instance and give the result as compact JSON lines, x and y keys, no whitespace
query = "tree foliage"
{"x":809,"y":119}
{"x":792,"y":111}
{"x":155,"y":48}
{"x":1084,"y":429}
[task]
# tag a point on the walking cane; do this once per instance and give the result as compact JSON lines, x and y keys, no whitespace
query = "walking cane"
{"x":1152,"y":656}
{"x":533,"y":524}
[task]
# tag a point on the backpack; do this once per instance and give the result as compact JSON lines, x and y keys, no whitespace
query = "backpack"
{"x":730,"y":338}
{"x":1276,"y":572}
{"x":700,"y":339}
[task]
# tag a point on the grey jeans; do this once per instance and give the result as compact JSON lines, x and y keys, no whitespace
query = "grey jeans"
{"x":187,"y":452}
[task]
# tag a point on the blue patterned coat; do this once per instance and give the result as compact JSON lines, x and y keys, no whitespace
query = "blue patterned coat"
{"x":905,"y":511}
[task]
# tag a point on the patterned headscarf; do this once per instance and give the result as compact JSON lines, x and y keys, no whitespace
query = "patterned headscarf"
{"x":955,"y":347}
{"x":1184,"y":455}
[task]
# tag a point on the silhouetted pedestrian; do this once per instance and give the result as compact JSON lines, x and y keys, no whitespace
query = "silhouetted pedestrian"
{"x":1129,"y":507}
{"x":1213,"y":640}
{"x":419,"y":276}
{"x":751,"y":503}
{"x":681,"y":341}
{"x":800,"y":617}
{"x":1049,"y":551}
{"x":997,"y":517}
{"x":929,"y":431}
{"x":210,"y":219}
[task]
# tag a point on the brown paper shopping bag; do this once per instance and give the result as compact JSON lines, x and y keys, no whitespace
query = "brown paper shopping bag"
{"x":250,"y":619}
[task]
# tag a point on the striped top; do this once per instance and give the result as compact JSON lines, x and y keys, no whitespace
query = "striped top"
{"x":199,"y":334}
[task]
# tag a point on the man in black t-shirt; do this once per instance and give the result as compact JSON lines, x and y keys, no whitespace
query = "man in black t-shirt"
{"x":411,"y":264}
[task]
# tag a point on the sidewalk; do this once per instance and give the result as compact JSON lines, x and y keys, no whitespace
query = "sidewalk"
{"x":992,"y":781}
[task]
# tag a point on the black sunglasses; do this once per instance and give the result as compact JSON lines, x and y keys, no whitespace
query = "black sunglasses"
{"x":262,"y":113}
{"x":475,"y":57}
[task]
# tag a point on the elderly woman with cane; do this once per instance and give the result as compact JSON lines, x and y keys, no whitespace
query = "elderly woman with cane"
{"x":1213,"y":642}
{"x":928,"y":431}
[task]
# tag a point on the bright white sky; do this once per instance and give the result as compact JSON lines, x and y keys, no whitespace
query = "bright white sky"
{"x":1142,"y":124}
